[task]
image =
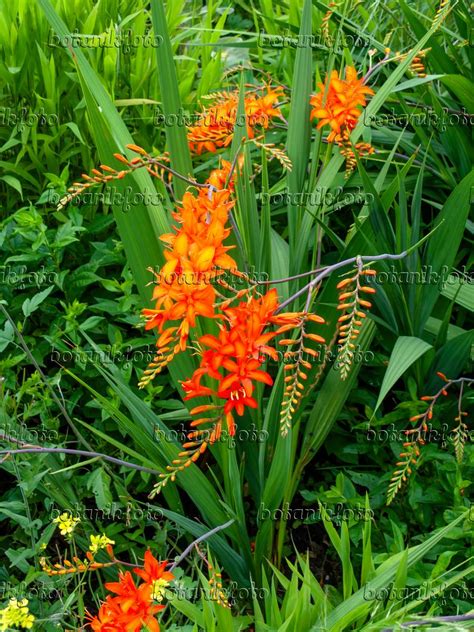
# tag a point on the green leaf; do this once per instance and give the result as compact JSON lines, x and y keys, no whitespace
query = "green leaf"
{"x":76,"y":131}
{"x":139,"y":230}
{"x":299,"y":124}
{"x":412,"y":83}
{"x":463,"y":89}
{"x":456,"y":288}
{"x":99,"y":482}
{"x":444,"y":244}
{"x":280,"y":262}
{"x":30,"y":305}
{"x":330,"y":172}
{"x":14,"y":183}
{"x":451,"y":359}
{"x":360,"y":604}
{"x":331,"y":398}
{"x":406,"y":351}
{"x":175,"y":134}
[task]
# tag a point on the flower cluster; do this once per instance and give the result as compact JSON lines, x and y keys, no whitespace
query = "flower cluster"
{"x":133,"y":607}
{"x":417,"y":65}
{"x":195,"y":257}
{"x":231,"y":364}
{"x":76,"y":566}
{"x":67,"y":523}
{"x":361,"y":149}
{"x":352,"y":305}
{"x":215,"y":127}
{"x":97,"y":543}
{"x":338,"y":104}
{"x":415,"y":437}
{"x":295,"y":363}
{"x":16,"y":614}
{"x":191,"y":285}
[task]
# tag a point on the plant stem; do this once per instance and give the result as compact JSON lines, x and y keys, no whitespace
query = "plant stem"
{"x":201,"y":538}
{"x":330,"y":269}
{"x":42,"y":450}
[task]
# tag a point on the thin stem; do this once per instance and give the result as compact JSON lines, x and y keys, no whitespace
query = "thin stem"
{"x":308,"y":300}
{"x":291,"y":278}
{"x":41,"y":450}
{"x":155,"y":161}
{"x":330,"y":269}
{"x":201,"y":538}
{"x":234,"y":163}
{"x":429,"y":411}
{"x":461,"y":391}
{"x":376,"y":67}
{"x":5,"y":437}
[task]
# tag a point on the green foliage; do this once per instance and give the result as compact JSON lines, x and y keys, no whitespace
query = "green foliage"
{"x":313,"y":545}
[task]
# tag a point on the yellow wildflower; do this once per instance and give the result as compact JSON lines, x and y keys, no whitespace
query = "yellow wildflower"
{"x":158,"y":589}
{"x":99,"y":542}
{"x":67,"y":523}
{"x":16,"y":614}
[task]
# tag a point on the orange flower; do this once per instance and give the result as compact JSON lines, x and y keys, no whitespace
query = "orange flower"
{"x":130,"y":610}
{"x":231,"y":363}
{"x":152,"y":569}
{"x":215,"y":127}
{"x":233,"y":357}
{"x":107,"y":618}
{"x":219,"y":177}
{"x":195,"y":257}
{"x":338,"y":104}
{"x":233,"y":360}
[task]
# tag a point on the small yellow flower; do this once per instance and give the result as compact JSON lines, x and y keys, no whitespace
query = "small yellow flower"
{"x":16,"y":614}
{"x":99,"y":542}
{"x":158,"y":589}
{"x":67,"y":523}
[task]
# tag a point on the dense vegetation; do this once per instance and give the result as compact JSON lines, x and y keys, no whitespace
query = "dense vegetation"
{"x":243,"y":228}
